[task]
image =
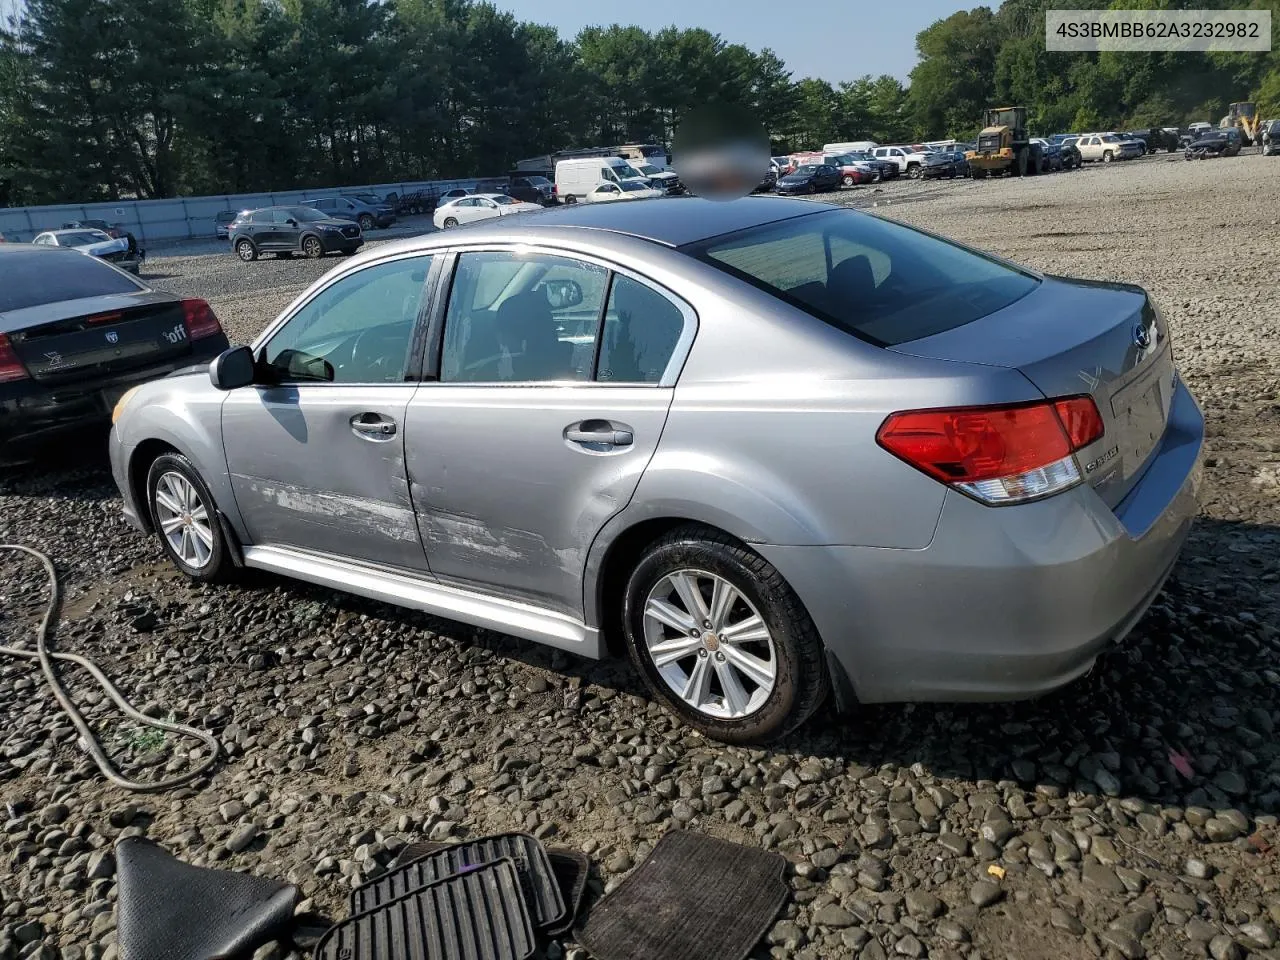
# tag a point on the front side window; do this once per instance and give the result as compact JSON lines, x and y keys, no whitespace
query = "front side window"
{"x":877,"y":280}
{"x":516,"y":318}
{"x":357,"y":330}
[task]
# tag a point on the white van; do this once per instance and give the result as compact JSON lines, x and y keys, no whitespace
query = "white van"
{"x":577,"y":178}
{"x":857,"y":146}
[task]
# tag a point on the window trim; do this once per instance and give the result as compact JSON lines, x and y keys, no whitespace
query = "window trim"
{"x":413,"y":370}
{"x":679,"y":353}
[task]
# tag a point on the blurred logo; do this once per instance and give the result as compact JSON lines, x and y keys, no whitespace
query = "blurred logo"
{"x":1141,"y":336}
{"x":113,"y":337}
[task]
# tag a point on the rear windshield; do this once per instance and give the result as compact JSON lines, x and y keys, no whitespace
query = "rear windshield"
{"x":36,"y":278}
{"x":880,"y":281}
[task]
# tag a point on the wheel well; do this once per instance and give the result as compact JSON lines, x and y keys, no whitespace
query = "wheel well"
{"x":618,"y":563}
{"x":143,"y":457}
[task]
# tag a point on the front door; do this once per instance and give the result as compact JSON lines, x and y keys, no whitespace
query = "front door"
{"x":316,"y":458}
{"x":542,"y":419}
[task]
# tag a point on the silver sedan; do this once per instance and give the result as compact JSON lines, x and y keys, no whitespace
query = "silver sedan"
{"x":771,"y":448}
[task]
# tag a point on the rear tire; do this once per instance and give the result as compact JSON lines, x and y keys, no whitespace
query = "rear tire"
{"x":185,"y":519}
{"x":756,"y":687}
{"x":246,"y":250}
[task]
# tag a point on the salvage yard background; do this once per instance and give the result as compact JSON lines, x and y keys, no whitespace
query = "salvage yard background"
{"x":354,"y":727}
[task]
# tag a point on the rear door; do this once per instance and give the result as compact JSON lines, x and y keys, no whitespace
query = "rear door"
{"x":551,"y":393}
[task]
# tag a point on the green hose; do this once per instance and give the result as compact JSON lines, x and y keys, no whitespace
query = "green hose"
{"x":46,"y":658}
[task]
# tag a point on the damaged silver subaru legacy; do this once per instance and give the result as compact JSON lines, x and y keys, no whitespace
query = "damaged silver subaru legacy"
{"x":773,"y":449}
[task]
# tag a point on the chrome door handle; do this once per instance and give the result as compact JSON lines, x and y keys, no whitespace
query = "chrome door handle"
{"x":600,"y":431}
{"x":373,"y":425}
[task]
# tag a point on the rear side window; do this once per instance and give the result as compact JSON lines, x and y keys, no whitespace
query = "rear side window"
{"x":36,"y":278}
{"x":880,"y":281}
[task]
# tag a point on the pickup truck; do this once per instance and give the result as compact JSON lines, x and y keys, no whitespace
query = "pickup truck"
{"x":910,"y":161}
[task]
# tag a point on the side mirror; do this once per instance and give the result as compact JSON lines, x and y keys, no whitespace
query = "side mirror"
{"x":232,"y":369}
{"x":562,"y":293}
{"x":292,"y":222}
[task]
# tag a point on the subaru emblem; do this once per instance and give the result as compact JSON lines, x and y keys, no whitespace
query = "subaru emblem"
{"x":113,"y":337}
{"x":1142,"y":337}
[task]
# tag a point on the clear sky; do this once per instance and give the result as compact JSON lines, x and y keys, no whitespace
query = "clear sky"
{"x":831,"y":39}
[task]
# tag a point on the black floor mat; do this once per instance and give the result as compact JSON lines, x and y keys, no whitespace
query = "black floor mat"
{"x":695,"y":897}
{"x":546,"y":905}
{"x":170,"y":910}
{"x":571,"y":867}
{"x":479,"y":914}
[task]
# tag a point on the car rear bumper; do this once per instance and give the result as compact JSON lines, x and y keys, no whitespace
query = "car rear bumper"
{"x":32,"y":412}
{"x":1005,"y":603}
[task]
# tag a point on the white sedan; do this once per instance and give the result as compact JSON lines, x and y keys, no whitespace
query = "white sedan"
{"x":93,"y":242}
{"x":626,"y":190}
{"x":479,"y":206}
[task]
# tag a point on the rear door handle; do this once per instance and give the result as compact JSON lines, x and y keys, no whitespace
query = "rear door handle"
{"x":373,"y":426}
{"x":601,"y":432}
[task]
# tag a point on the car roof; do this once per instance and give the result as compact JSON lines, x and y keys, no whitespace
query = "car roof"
{"x":670,"y":221}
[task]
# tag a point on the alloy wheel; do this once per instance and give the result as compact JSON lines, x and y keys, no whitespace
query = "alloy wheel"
{"x":709,"y":644}
{"x":183,"y":520}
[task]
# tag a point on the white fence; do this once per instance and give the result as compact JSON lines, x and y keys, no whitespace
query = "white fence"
{"x":186,"y":218}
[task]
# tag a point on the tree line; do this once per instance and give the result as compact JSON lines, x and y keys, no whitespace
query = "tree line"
{"x":105,"y":99}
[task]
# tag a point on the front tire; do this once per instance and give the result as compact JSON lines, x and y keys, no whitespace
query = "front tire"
{"x":246,"y":250}
{"x":720,"y":636}
{"x":185,"y":518}
{"x":312,"y":248}
{"x":450,"y":222}
{"x":366,"y":222}
{"x":1107,"y":157}
{"x":847,"y":180}
{"x":914,"y":171}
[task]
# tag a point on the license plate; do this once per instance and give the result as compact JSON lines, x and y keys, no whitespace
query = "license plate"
{"x":1144,"y":424}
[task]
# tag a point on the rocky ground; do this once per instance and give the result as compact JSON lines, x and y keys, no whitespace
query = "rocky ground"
{"x":1132,"y":814}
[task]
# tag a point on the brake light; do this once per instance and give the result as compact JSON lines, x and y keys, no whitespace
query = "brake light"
{"x":11,"y":367}
{"x":998,"y":454}
{"x":104,"y":318}
{"x":199,"y":318}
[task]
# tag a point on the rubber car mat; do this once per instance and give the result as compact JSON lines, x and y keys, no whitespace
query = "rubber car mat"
{"x":478,"y":914}
{"x":695,"y":897}
{"x":170,"y":910}
{"x":571,"y":867}
{"x":546,"y":905}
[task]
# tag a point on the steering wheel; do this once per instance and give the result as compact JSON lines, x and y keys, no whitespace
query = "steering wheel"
{"x":375,"y":352}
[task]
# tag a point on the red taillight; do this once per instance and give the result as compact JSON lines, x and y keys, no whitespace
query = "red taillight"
{"x":103,"y":318}
{"x":998,"y":454}
{"x":11,"y":367}
{"x":199,"y":318}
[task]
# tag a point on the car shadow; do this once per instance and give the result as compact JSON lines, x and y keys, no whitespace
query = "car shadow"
{"x":74,"y":466}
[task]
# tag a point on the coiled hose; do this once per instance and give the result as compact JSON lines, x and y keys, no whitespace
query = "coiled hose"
{"x":47,"y":657}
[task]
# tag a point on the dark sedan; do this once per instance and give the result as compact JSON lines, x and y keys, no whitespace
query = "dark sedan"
{"x":767,"y":183}
{"x":1214,"y":145}
{"x":886,"y":168}
{"x":76,"y":333}
{"x":285,"y":231}
{"x":810,"y":178}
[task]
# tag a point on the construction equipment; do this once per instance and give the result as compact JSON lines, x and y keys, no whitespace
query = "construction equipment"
{"x":1004,"y":146}
{"x":1244,"y":117}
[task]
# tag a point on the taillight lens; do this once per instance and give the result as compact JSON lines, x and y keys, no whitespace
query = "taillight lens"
{"x":199,"y":318}
{"x":11,"y":367}
{"x":998,"y":454}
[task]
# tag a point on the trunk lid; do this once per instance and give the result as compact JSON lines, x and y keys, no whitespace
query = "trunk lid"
{"x":98,"y":337}
{"x":1072,"y":337}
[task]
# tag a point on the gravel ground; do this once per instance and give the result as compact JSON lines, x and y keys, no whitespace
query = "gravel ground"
{"x":1132,"y":814}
